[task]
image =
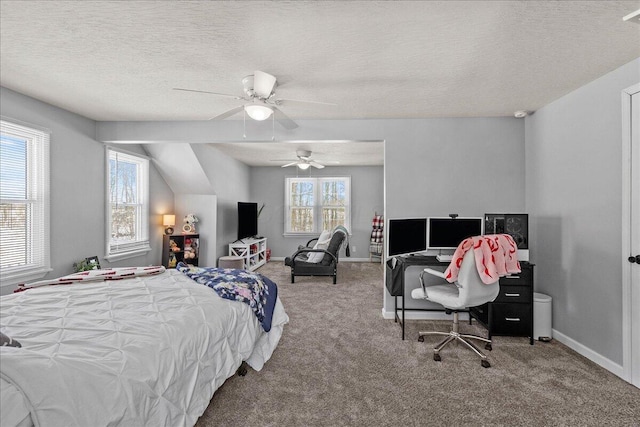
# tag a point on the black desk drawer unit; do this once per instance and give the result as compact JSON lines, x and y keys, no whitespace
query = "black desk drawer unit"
{"x":511,"y":313}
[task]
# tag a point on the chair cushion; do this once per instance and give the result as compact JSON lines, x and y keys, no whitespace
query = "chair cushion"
{"x":322,"y":243}
{"x":446,"y":295}
{"x":334,"y":246}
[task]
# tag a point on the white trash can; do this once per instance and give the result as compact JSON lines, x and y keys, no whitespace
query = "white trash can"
{"x":542,"y":317}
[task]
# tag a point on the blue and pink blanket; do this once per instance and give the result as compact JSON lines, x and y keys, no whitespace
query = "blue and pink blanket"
{"x":253,"y":289}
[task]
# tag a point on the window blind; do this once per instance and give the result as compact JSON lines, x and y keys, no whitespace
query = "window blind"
{"x":127,"y":204}
{"x":24,"y":201}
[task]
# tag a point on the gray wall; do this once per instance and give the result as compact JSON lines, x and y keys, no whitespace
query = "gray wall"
{"x":574,"y":198}
{"x":432,"y":166}
{"x":77,"y":168}
{"x":367,"y":189}
{"x":202,"y":169}
{"x":230,"y":181}
{"x":458,"y":165}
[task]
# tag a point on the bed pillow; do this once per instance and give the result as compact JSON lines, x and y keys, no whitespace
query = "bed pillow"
{"x":322,"y":243}
{"x":6,"y":341}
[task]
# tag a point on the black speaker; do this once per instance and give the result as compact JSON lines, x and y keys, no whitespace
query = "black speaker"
{"x":515,"y":225}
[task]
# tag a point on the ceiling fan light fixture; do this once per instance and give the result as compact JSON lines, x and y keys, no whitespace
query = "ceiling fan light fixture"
{"x":304,"y":166}
{"x":258,"y":112}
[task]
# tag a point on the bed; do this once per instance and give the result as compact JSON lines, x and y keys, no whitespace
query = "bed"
{"x":147,"y":350}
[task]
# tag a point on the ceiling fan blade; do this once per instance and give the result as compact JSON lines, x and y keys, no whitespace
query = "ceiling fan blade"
{"x":289,"y":164}
{"x":283,"y":119}
{"x":211,"y":93}
{"x":316,"y":164}
{"x":263,"y":84}
{"x":228,"y":113}
{"x":280,"y":100}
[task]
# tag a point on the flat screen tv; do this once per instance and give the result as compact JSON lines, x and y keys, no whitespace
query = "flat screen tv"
{"x":247,"y":219}
{"x":447,"y":233}
{"x":407,"y":236}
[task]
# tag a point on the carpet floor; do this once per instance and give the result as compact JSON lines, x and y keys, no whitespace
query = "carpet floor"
{"x":340,"y":363}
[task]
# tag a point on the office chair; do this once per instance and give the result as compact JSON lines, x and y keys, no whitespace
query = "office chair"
{"x":468,"y":291}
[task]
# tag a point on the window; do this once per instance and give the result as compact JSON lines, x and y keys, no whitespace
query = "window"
{"x":316,"y":204}
{"x":24,"y":203}
{"x":127,"y":205}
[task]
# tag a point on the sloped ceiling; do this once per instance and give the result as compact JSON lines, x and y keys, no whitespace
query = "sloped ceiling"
{"x":180,"y":168}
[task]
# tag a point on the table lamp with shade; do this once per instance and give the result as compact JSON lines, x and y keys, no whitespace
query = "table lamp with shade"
{"x":168,"y":221}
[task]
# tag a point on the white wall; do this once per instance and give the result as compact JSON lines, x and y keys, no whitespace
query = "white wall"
{"x":77,"y":165}
{"x":574,"y":198}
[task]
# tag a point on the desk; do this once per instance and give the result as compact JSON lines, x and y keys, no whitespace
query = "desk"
{"x":511,"y":313}
{"x":395,"y":281}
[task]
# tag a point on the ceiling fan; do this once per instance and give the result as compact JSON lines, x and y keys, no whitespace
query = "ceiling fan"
{"x":260,"y":100}
{"x":304,"y":161}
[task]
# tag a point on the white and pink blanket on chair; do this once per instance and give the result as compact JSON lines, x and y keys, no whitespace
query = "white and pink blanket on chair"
{"x":496,"y":256}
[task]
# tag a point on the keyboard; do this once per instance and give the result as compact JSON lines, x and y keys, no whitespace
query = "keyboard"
{"x":444,"y":258}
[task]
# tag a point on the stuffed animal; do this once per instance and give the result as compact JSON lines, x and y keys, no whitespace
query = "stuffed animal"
{"x":190,"y":223}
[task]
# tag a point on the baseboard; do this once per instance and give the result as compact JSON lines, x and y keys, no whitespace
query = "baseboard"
{"x":574,"y":345}
{"x":585,"y":351}
{"x":423,"y":315}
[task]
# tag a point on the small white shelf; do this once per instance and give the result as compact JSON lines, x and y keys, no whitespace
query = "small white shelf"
{"x":252,"y":251}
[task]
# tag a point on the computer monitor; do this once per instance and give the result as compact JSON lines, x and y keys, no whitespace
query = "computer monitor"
{"x":447,"y":233}
{"x":407,"y":236}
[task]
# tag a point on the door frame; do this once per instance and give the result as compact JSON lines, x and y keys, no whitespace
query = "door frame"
{"x":627,"y":339}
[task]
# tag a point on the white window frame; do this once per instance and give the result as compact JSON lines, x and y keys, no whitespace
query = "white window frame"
{"x":38,"y":256}
{"x":317,"y":208}
{"x":127,"y":249}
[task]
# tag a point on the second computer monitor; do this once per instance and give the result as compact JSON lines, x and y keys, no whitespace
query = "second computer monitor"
{"x":447,"y":233}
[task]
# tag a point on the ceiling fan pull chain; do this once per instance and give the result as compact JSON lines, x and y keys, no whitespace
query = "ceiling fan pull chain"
{"x":273,"y":127}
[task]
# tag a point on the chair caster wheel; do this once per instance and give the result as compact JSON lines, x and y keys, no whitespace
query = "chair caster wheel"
{"x":488,"y":347}
{"x":421,"y":338}
{"x":485,"y":364}
{"x":242,"y":370}
{"x":437,"y":357}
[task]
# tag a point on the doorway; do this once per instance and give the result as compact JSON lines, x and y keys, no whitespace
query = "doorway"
{"x":631,"y":234}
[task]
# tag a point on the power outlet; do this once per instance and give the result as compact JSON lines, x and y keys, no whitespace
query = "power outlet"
{"x":353,"y":249}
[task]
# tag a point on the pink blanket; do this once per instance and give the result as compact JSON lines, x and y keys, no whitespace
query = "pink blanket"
{"x":496,"y":256}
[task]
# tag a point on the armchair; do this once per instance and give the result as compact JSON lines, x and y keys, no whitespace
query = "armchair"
{"x":328,"y":265}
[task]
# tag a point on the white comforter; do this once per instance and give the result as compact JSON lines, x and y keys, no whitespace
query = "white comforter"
{"x":148,"y":351}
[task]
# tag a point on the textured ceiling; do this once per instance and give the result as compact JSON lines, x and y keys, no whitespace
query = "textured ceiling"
{"x":119,"y":60}
{"x":329,"y":153}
